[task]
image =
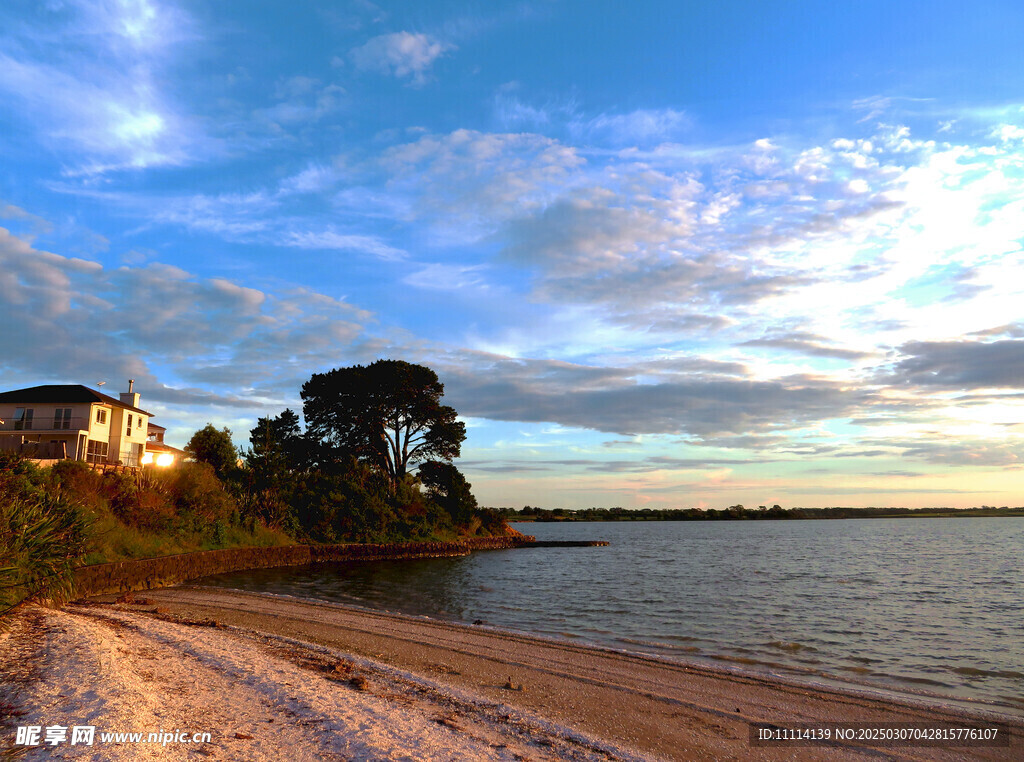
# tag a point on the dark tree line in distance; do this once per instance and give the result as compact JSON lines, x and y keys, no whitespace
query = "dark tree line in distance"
{"x":740,"y":513}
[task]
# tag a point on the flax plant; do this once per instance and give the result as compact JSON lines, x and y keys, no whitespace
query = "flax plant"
{"x":42,"y":539}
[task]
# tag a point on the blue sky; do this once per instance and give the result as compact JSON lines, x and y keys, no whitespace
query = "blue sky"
{"x":680,"y":254}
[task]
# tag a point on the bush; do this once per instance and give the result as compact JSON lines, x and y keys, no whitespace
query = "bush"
{"x":20,"y":478}
{"x":122,"y":496}
{"x":349,"y":505}
{"x":76,"y":478}
{"x":199,"y":497}
{"x":42,"y":539}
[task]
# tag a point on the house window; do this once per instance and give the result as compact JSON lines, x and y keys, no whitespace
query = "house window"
{"x":128,"y":428}
{"x":135,"y":455}
{"x":62,"y":418}
{"x":22,"y":418}
{"x":101,"y":415}
{"x":96,"y":452}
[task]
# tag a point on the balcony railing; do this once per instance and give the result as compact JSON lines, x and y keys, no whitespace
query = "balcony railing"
{"x":46,"y":425}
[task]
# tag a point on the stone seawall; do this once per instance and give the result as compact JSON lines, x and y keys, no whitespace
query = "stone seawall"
{"x":149,"y":573}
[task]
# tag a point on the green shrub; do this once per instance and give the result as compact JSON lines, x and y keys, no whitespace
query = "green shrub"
{"x":198,"y":496}
{"x":20,"y":477}
{"x":122,"y":494}
{"x":86,"y":486}
{"x":42,"y":539}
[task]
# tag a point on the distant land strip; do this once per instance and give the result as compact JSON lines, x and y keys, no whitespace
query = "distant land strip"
{"x":739,"y":513}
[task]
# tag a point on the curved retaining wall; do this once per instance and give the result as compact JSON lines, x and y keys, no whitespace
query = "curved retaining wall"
{"x":149,"y":573}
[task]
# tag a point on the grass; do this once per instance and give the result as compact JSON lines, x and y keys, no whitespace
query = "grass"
{"x":114,"y":541}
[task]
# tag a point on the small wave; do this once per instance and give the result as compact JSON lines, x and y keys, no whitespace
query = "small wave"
{"x":762,"y":665}
{"x":791,"y":647}
{"x":974,"y":672}
{"x":856,"y":670}
{"x":810,"y":662}
{"x":915,"y":680}
{"x":682,"y":638}
{"x":736,"y":659}
{"x":652,"y":644}
{"x":864,"y":660}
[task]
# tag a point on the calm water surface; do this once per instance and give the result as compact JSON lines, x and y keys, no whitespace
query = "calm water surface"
{"x":926,"y":606}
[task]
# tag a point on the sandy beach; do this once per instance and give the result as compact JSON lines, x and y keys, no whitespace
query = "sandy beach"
{"x":272,"y":678}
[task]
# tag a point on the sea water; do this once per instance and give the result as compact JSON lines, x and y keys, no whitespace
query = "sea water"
{"x":933,"y":607}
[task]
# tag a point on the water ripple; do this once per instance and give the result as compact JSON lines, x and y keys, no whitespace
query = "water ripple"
{"x":896,"y":603}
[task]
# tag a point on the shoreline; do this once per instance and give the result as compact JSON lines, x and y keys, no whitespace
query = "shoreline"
{"x":783,"y":674}
{"x":660,"y":708}
{"x":136,"y":574}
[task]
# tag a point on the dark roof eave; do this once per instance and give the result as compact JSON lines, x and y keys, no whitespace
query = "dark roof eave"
{"x":49,"y":394}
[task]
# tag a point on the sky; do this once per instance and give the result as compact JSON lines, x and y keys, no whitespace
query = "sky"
{"x":661,"y":254}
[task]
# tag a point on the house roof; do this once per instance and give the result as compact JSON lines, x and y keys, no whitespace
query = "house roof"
{"x":161,"y":447}
{"x":64,"y":393}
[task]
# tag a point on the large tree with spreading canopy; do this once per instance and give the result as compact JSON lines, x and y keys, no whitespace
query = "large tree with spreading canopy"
{"x":388,"y":414}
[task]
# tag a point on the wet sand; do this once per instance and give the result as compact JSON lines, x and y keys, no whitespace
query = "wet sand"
{"x":648,"y":705}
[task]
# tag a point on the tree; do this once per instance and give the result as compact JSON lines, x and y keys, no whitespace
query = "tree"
{"x":277,"y":443}
{"x":448,"y":487}
{"x":276,"y":457}
{"x":208,"y":445}
{"x":388,"y":414}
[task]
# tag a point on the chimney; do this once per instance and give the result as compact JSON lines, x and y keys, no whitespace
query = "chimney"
{"x":130,"y":397}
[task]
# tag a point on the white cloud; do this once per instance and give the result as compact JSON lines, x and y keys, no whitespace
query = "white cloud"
{"x":97,"y":88}
{"x":75,"y":320}
{"x":315,"y":178}
{"x":401,"y":54}
{"x":330,"y":239}
{"x":511,"y":112}
{"x":36,"y":224}
{"x":654,"y":240}
{"x":1008,"y":133}
{"x":640,"y":127}
{"x":467,"y":183}
{"x":235,"y":216}
{"x":301,"y":101}
{"x":441,"y":277}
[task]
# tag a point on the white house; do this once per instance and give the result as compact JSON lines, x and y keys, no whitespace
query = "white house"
{"x":58,"y":421}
